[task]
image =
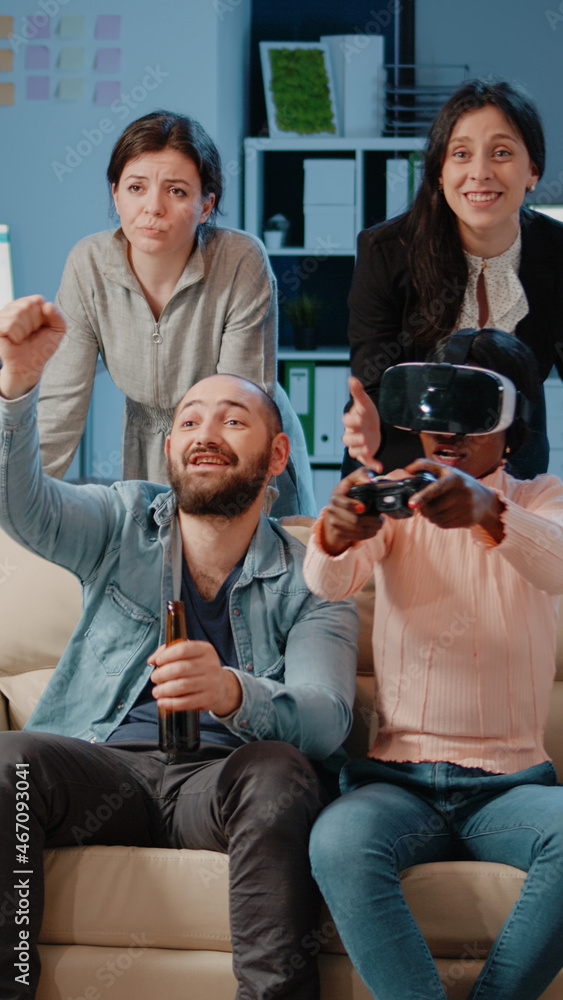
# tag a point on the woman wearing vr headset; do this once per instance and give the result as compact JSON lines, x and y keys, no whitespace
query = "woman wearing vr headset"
{"x":464,"y":653}
{"x":467,"y":254}
{"x":166,"y":299}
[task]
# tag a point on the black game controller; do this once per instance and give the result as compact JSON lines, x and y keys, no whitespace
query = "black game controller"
{"x":388,"y":496}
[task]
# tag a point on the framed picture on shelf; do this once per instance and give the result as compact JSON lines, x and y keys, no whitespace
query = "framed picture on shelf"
{"x":299,"y":89}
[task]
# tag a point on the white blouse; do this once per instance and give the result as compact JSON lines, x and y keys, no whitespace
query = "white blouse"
{"x":505,"y":295}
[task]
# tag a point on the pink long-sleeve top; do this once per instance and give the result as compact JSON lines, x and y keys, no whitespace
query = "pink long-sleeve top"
{"x":464,"y":629}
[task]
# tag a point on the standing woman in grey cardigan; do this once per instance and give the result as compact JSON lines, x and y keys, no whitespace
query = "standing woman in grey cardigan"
{"x":166,"y":300}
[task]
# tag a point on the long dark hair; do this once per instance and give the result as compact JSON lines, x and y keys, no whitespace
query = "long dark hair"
{"x":435,"y":255}
{"x":166,"y":129}
{"x":507,"y":355}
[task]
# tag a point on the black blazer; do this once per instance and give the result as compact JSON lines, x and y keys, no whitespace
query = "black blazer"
{"x":384,"y":313}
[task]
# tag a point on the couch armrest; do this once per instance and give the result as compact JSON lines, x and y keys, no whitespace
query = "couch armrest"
{"x":4,"y":720}
{"x":21,"y":692}
{"x":32,"y":641}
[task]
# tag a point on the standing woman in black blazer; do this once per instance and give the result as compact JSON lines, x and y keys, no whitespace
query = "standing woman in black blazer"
{"x":467,"y":254}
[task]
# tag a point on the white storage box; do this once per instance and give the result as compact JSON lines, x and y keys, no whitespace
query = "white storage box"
{"x":330,"y":227}
{"x":329,"y":182}
{"x":358,"y":64}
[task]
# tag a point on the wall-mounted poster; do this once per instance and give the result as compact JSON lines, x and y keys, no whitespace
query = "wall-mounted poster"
{"x":299,"y":89}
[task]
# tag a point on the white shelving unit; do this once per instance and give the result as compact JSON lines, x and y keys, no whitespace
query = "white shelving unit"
{"x":255,"y":150}
{"x":319,"y":377}
{"x":325,"y":462}
{"x":317,"y":385}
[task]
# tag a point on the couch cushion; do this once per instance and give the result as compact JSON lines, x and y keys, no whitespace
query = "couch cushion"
{"x":136,"y":972}
{"x":559,"y":649}
{"x":179,"y":899}
{"x":175,"y":898}
{"x":461,"y":904}
{"x":22,"y":692}
{"x":554,"y":728}
{"x":41,"y":605}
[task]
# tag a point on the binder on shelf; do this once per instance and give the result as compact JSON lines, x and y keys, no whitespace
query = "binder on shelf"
{"x":403,"y":179}
{"x":331,"y":396}
{"x":397,"y":192}
{"x":299,"y":384}
{"x":416,"y":170}
{"x":318,"y":393}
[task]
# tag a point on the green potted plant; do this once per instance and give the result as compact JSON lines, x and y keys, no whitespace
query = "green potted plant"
{"x":304,"y":313}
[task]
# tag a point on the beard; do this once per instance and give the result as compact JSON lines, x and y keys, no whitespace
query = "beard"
{"x":229,"y":498}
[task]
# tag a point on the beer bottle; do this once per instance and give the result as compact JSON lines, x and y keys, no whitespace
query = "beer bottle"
{"x":177,"y":731}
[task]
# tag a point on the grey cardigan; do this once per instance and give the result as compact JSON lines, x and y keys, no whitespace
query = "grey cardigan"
{"x":221,"y":317}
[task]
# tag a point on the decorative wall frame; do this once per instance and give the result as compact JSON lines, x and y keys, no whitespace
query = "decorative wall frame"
{"x":299,"y":89}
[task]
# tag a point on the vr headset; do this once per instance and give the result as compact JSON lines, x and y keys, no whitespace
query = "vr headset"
{"x":450,"y":397}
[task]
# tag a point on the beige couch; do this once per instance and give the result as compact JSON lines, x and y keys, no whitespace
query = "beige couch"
{"x":137,"y":924}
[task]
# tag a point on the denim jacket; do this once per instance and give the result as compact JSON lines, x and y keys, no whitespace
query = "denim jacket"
{"x":297,"y":652}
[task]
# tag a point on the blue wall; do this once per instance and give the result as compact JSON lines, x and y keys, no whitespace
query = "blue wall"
{"x":193,"y":53}
{"x":516,"y":40}
{"x":170,"y":58}
{"x":183,"y":55}
{"x":189,"y":40}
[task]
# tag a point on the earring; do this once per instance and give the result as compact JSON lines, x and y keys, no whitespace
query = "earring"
{"x":507,"y":450}
{"x":532,"y":187}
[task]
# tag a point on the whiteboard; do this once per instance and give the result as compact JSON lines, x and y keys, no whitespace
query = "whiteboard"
{"x":6,"y":277}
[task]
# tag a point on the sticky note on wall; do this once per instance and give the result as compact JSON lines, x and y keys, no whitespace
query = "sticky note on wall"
{"x":71,"y":26}
{"x":6,"y":27}
{"x":108,"y":26}
{"x":6,"y":93}
{"x":6,"y":60}
{"x":37,"y":57}
{"x":38,"y":25}
{"x":71,"y":89}
{"x":71,"y":58}
{"x":37,"y":88}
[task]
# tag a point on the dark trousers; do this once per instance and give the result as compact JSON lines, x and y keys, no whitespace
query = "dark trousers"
{"x":257,"y":803}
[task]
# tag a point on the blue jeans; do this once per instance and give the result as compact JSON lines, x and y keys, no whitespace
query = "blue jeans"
{"x":393,"y":816}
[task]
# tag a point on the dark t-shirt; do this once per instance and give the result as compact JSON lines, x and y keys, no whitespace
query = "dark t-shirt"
{"x":205,"y":620}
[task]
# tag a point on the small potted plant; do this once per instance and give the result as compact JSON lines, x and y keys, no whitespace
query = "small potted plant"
{"x":304,"y":313}
{"x":275,"y":230}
